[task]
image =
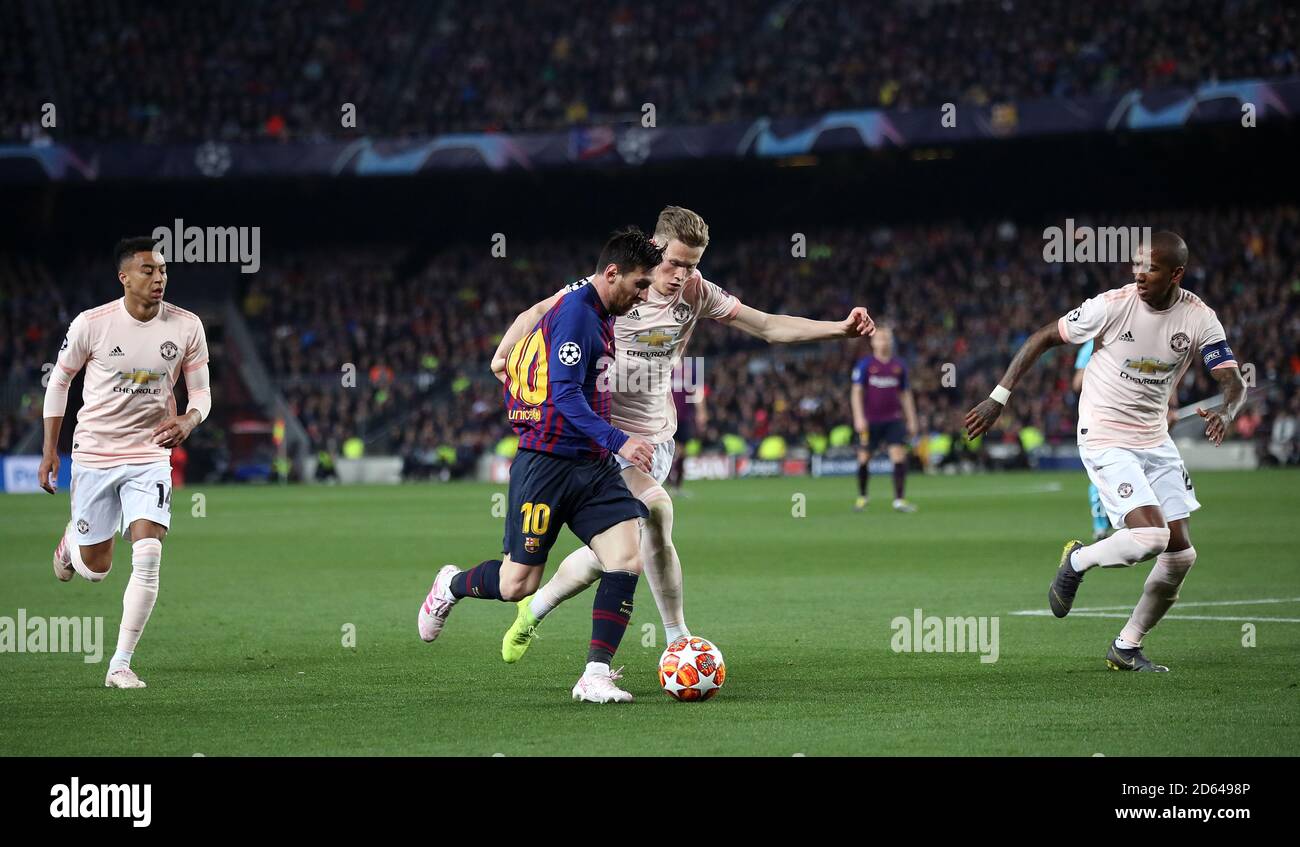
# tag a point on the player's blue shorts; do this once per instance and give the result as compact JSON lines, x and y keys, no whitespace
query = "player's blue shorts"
{"x":548,"y":491}
{"x":885,"y":433}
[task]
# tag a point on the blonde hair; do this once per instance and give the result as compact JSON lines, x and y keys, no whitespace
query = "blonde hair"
{"x":684,"y":225}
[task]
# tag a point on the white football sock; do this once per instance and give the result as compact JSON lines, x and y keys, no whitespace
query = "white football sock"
{"x":1159,"y":593}
{"x":663,"y":569}
{"x":599,"y":668}
{"x":1126,"y":547}
{"x":138,"y":600}
{"x":579,"y":570}
{"x":1126,"y":645}
{"x":1074,"y":561}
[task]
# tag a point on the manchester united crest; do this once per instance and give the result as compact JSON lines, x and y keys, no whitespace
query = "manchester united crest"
{"x":169,"y":350}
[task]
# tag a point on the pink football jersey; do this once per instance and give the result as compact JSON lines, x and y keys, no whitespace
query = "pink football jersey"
{"x":131,"y":372}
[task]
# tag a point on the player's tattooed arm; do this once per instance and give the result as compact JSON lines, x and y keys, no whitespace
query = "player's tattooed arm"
{"x":789,"y":329}
{"x":1234,"y":397}
{"x":980,"y":419}
{"x":526,"y":320}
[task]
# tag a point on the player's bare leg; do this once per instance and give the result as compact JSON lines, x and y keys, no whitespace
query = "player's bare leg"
{"x":1158,"y":596}
{"x":582,"y":568}
{"x":579,"y":570}
{"x":519,"y":581}
{"x":1144,"y":535}
{"x":663,"y":568}
{"x":91,"y":562}
{"x":494,"y":579}
{"x":137,"y":601}
{"x":576,"y":572}
{"x":618,"y":549}
{"x":898,"y":456}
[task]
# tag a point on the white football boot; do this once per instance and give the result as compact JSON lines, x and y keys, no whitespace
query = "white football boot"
{"x":63,"y":558}
{"x":437,"y":606}
{"x":597,"y":685}
{"x":123,"y":678}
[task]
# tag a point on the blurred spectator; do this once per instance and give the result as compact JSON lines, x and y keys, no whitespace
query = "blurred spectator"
{"x":380,"y":363}
{"x":275,"y":70}
{"x":1284,"y":439}
{"x":962,"y":297}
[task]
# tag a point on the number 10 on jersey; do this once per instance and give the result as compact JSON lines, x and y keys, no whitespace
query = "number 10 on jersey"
{"x":526,"y":367}
{"x":537,"y":517}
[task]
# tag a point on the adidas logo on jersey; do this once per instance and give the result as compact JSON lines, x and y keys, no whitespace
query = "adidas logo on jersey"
{"x":1128,"y":336}
{"x":635,"y":315}
{"x":117,"y":351}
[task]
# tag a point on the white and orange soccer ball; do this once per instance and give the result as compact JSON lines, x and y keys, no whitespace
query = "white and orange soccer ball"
{"x":692,"y":669}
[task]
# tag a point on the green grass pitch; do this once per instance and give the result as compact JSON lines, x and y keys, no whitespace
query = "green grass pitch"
{"x":245,"y":652}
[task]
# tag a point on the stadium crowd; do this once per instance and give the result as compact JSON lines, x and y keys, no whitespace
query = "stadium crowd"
{"x":827,"y":56}
{"x":961,"y":299}
{"x":387,"y":350}
{"x":272,"y":70}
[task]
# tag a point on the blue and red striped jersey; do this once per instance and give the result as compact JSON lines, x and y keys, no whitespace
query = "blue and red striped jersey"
{"x":883,"y":384}
{"x":554,"y":399}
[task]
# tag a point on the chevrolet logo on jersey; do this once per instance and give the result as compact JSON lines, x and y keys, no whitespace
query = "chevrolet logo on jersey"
{"x":656,"y":338}
{"x":1149,"y":366}
{"x":138,"y":377}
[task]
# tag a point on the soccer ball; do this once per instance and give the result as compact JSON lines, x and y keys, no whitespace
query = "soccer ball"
{"x":692,"y":669}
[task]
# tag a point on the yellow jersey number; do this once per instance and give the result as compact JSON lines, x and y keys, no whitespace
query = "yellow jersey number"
{"x":527,"y":384}
{"x":537,"y":517}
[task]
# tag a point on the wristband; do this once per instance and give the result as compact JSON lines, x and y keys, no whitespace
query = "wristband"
{"x":1000,"y":395}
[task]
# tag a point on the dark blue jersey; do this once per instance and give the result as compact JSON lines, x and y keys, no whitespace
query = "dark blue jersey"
{"x":552,"y":395}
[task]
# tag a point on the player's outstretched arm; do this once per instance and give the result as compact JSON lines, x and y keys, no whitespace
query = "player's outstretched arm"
{"x":788,"y":329}
{"x":981,"y":418}
{"x":526,"y":320}
{"x":1234,"y":397}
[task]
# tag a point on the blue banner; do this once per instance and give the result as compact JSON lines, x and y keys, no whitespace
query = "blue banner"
{"x":605,"y":146}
